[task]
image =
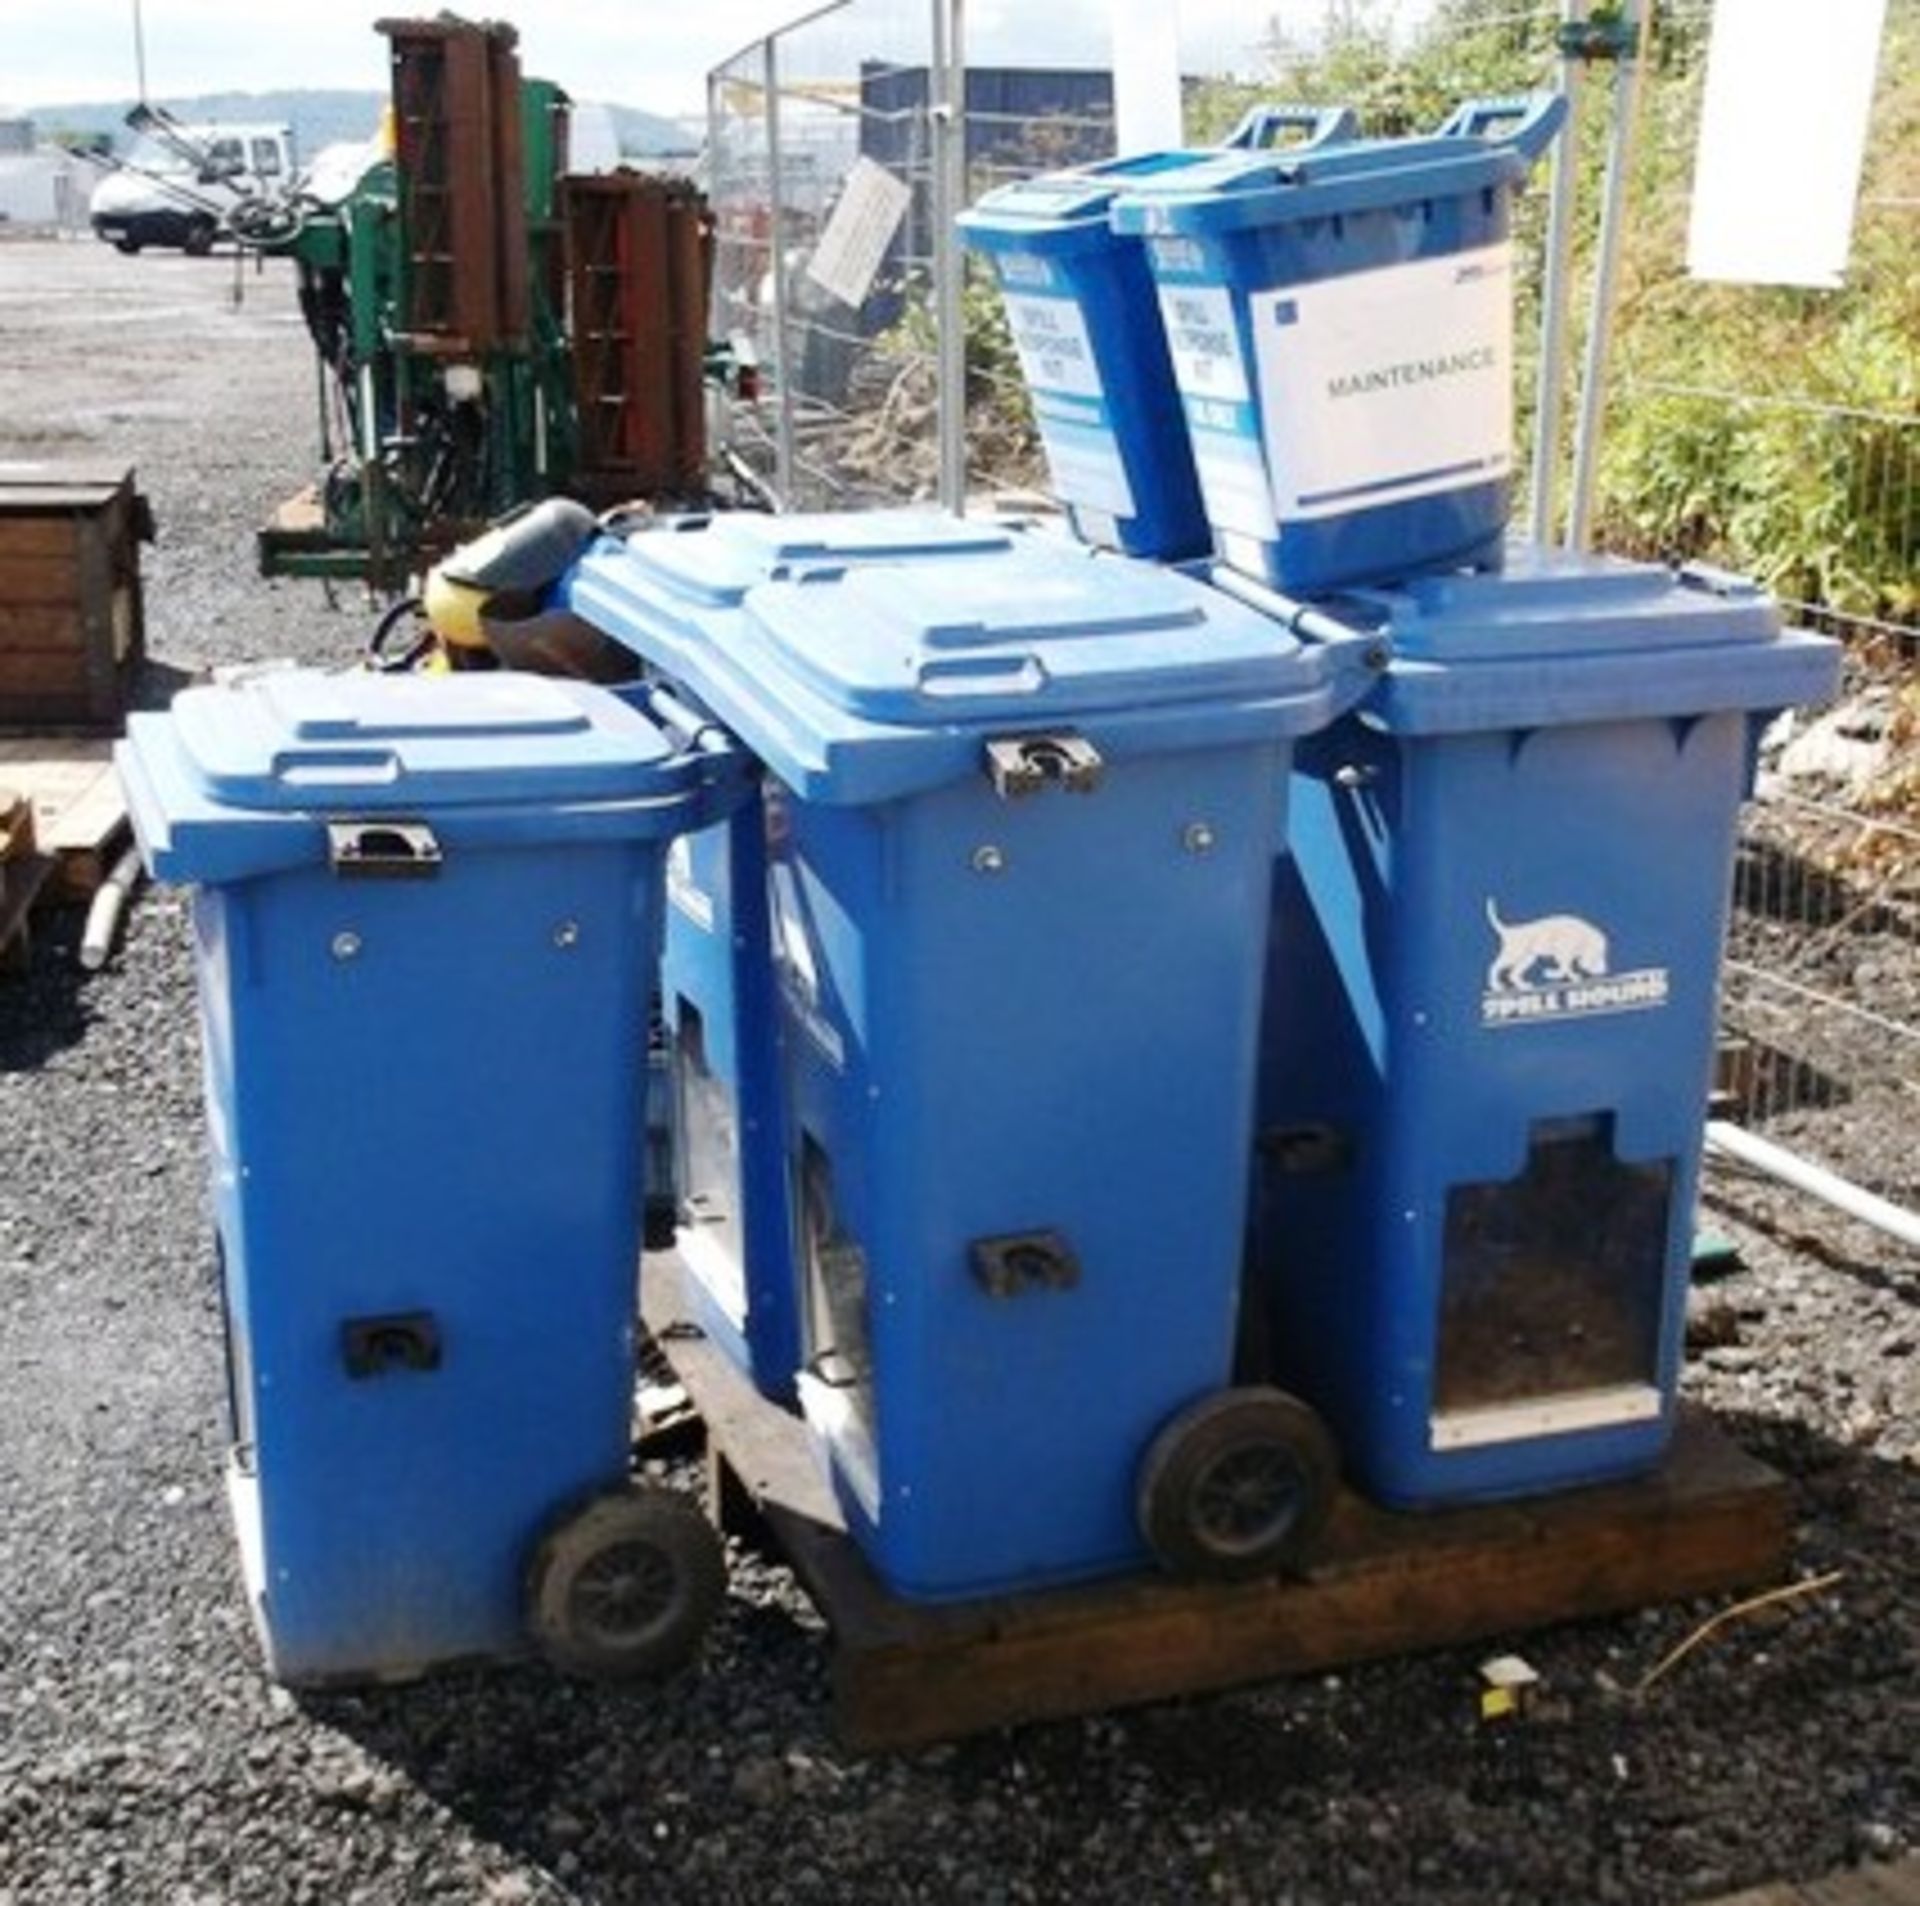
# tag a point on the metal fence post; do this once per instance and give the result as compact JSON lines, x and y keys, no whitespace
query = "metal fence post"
{"x":1550,"y":388}
{"x":783,"y":381}
{"x":949,"y":145}
{"x":1606,"y":268}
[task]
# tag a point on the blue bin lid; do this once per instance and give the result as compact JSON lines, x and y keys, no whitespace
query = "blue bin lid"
{"x":1234,"y":190}
{"x":713,"y":561}
{"x":1068,"y":210}
{"x":1065,"y":211}
{"x":1558,"y":637}
{"x":861,"y":683}
{"x":243,"y":778}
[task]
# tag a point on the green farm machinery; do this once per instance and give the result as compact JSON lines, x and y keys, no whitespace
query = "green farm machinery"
{"x":489,"y":330}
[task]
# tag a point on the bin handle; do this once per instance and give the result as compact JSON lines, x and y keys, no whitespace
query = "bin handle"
{"x":1540,"y":116}
{"x":1318,"y":125}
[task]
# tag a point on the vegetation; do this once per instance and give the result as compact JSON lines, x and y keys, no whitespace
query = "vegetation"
{"x":1777,"y":431}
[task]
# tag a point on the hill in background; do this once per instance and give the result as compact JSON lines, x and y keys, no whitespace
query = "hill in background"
{"x":324,"y":117}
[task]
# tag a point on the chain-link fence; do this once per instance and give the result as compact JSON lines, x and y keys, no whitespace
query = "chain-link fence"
{"x":851,"y":411}
{"x":1769,"y":430}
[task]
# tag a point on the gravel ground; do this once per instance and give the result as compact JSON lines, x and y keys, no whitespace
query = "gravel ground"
{"x":143,"y":1756}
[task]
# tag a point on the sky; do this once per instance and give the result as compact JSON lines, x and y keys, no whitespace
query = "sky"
{"x":648,"y":53}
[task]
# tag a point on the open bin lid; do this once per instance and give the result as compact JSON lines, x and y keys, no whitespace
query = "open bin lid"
{"x":241,"y":779}
{"x":1558,"y":637}
{"x":861,"y":683}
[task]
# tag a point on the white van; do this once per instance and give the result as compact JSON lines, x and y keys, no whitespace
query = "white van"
{"x":159,"y":196}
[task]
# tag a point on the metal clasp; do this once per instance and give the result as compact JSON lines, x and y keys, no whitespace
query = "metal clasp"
{"x":383,"y":850}
{"x":1019,"y":765}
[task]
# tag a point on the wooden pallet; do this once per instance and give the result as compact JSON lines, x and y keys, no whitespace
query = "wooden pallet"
{"x":80,"y":814}
{"x":1895,"y":1884}
{"x":903,"y":1674}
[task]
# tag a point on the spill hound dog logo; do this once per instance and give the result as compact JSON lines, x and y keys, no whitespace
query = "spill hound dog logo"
{"x":1560,"y":966}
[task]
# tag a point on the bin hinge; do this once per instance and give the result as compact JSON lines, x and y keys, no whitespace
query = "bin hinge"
{"x":405,"y":1340}
{"x":1023,"y":1261}
{"x":383,"y":850}
{"x":1024,"y":764}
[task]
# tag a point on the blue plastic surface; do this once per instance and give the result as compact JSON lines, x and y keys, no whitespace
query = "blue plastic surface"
{"x":425,"y":1102}
{"x":717,"y":997}
{"x":1080,"y":305}
{"x":1499,"y":933}
{"x":1243,"y":249}
{"x":1007,"y":1016}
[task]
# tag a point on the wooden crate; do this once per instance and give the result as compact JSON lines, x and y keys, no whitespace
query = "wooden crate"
{"x":1711,"y":1519}
{"x":72,"y":628}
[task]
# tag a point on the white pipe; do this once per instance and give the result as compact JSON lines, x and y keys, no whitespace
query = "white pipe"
{"x":103,"y":917}
{"x":1556,"y":293}
{"x":1790,"y":1168}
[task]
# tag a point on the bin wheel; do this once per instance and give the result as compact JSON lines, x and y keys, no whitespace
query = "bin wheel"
{"x":626,"y":1586}
{"x":199,"y":239}
{"x":1237,"y":1485}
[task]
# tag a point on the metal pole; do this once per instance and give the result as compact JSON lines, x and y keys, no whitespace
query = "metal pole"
{"x":1613,"y":218}
{"x":949,"y":149}
{"x":1734,"y":1141}
{"x":140,"y":50}
{"x":783,"y":384}
{"x":1551,"y":383}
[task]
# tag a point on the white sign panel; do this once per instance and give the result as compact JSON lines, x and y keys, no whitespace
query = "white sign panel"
{"x":1386,"y":385}
{"x":872,"y":204}
{"x":1783,"y":128}
{"x":1146,"y":75}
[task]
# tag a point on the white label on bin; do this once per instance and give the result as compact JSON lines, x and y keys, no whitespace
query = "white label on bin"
{"x":1383,"y":386}
{"x":1055,"y":352}
{"x":1560,"y":966}
{"x":1233,"y":482}
{"x":1083,"y":455}
{"x":1204,"y":341}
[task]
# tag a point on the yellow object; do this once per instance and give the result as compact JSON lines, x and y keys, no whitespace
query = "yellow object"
{"x":454,"y":610}
{"x":1497,"y":1703}
{"x":386,"y":138}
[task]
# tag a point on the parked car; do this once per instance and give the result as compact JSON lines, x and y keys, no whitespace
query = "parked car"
{"x":159,"y":196}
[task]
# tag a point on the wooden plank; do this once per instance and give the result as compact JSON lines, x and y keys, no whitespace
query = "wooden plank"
{"x":41,"y":625}
{"x":79,"y":808}
{"x":21,"y":882}
{"x":1895,"y":1884}
{"x":37,"y":578}
{"x":1712,"y":1519}
{"x":22,"y":535}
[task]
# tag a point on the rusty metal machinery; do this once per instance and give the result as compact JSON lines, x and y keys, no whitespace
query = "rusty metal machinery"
{"x":489,"y":331}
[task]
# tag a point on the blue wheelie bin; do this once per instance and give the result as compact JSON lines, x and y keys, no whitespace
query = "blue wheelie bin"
{"x":1024,"y":814}
{"x":1080,"y":306}
{"x":1341,"y":327}
{"x":426,"y":914}
{"x":1490,"y":1016}
{"x":717,"y":994}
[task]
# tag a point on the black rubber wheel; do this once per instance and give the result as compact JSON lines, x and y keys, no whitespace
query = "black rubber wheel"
{"x":131,"y":246}
{"x":1239,"y":1484}
{"x":199,"y":239}
{"x":626,"y":1586}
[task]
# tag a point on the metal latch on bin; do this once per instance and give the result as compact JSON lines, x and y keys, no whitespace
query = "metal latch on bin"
{"x":1019,"y":765}
{"x":383,"y":850}
{"x":1024,"y":1261}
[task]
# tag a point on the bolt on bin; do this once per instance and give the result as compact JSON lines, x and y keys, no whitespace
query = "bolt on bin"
{"x":1341,"y":328}
{"x":1080,"y":307}
{"x":1024,"y":816}
{"x":717,"y":996}
{"x":426,"y":916}
{"x":1490,"y":1015}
